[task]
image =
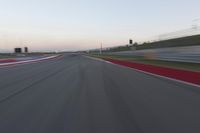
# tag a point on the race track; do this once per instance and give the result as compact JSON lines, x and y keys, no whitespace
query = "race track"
{"x":76,"y":94}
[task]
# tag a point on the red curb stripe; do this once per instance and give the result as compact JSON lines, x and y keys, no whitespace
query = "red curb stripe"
{"x":7,"y":60}
{"x":184,"y":75}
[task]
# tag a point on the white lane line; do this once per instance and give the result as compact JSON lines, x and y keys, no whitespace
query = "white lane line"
{"x":177,"y":80}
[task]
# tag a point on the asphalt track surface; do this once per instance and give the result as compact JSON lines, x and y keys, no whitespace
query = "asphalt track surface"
{"x":75,"y":94}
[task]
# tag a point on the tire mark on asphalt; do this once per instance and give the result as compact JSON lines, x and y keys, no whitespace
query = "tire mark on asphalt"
{"x":33,"y":84}
{"x":27,"y":73}
{"x":121,"y":107}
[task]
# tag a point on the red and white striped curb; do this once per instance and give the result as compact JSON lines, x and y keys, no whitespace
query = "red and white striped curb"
{"x":28,"y":61}
{"x":194,"y":79}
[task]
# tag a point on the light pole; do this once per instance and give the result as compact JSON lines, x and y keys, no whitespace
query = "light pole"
{"x":100,"y":49}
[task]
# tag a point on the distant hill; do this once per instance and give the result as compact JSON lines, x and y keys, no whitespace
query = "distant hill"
{"x":178,"y":42}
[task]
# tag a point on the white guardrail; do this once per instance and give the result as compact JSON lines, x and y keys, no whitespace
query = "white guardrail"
{"x":182,"y":54}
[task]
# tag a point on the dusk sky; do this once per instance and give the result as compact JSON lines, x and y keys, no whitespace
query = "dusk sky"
{"x":54,"y":25}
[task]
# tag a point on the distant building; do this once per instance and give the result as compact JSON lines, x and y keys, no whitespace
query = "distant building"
{"x":25,"y":49}
{"x":18,"y":50}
